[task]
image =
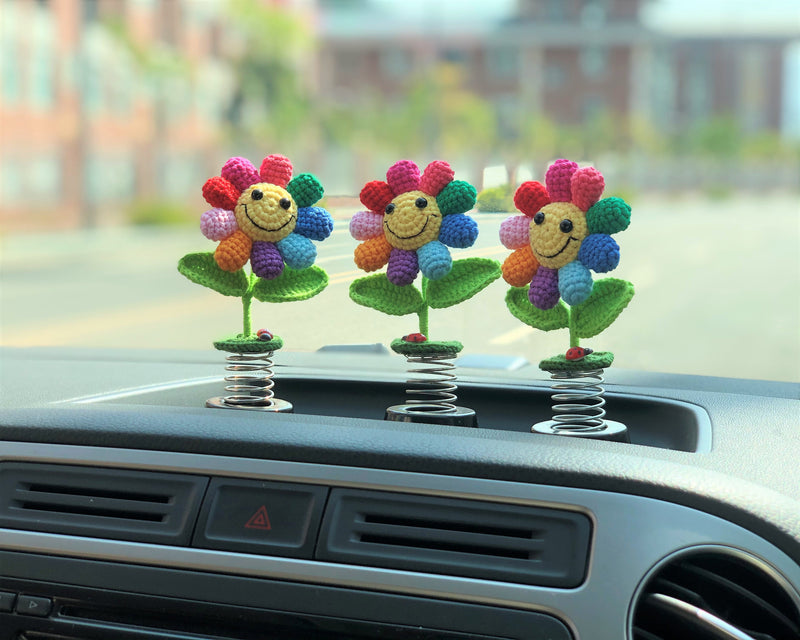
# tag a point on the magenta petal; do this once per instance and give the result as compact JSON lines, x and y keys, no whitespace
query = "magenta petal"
{"x":240,"y":172}
{"x":403,"y":267}
{"x":403,"y":176}
{"x":266,"y":260}
{"x":366,"y":224}
{"x":558,"y":180}
{"x":543,"y":293}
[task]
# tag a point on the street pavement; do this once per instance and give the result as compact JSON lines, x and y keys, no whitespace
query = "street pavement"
{"x":717,"y":293}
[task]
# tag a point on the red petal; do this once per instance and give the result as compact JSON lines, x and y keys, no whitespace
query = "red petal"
{"x":376,"y":195}
{"x":218,"y":192}
{"x":276,"y":169}
{"x":531,"y":197}
{"x":587,"y":187}
{"x":437,"y":175}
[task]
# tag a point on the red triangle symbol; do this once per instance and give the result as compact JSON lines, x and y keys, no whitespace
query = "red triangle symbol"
{"x":259,"y":520}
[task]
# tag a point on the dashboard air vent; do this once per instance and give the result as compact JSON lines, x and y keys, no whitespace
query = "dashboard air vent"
{"x":716,"y":595}
{"x":515,"y":543}
{"x":106,"y":503}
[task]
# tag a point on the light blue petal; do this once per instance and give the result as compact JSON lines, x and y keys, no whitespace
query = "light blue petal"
{"x":458,"y":231}
{"x":574,"y":283}
{"x":298,"y":251}
{"x":434,"y":260}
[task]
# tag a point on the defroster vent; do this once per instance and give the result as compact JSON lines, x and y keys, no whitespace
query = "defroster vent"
{"x":139,"y":506}
{"x":514,"y":543}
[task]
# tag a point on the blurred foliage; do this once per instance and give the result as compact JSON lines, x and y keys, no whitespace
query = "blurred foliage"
{"x":496,"y":199}
{"x":163,"y":213}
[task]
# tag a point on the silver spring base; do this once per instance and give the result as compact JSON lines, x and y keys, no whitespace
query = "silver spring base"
{"x":578,"y":408}
{"x":432,"y":394}
{"x":250,"y":384}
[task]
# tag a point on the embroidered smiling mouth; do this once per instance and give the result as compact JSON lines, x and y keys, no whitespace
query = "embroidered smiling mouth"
{"x":559,"y":251}
{"x":291,"y":217}
{"x":386,"y":224}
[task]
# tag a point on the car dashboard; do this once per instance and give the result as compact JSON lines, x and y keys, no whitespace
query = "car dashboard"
{"x":130,"y":510}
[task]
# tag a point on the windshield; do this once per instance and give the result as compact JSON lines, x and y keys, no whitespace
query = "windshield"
{"x":115,"y":113}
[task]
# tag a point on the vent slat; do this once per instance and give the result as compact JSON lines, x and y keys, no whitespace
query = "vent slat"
{"x":52,"y":501}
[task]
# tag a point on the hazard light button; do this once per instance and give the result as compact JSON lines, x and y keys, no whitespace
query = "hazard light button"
{"x":269,"y":518}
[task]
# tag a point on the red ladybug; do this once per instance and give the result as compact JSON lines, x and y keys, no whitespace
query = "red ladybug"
{"x":264,"y":335}
{"x":578,"y":353}
{"x":414,"y":337}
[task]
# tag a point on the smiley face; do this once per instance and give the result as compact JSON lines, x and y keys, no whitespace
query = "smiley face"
{"x":556,"y":233}
{"x":266,"y":212}
{"x":411,"y":220}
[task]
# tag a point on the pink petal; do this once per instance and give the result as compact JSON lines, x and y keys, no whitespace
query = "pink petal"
{"x":218,"y":224}
{"x":276,"y":169}
{"x":587,"y":187}
{"x":558,"y":178}
{"x":366,"y":224}
{"x":403,"y":176}
{"x":437,"y":175}
{"x":240,"y":172}
{"x":515,"y":232}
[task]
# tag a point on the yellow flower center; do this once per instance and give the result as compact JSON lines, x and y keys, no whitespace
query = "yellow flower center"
{"x":266,"y":212}
{"x":556,"y":234}
{"x":412,"y":220}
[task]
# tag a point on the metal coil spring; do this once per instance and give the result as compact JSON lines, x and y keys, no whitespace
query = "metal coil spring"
{"x":252,"y":381}
{"x":433,"y":393}
{"x":578,"y":408}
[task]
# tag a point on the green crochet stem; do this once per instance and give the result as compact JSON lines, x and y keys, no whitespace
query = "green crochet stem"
{"x":574,"y":340}
{"x":247,"y":299}
{"x":423,"y":312}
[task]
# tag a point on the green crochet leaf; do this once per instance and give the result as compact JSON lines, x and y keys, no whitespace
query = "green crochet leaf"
{"x":466,"y":278}
{"x":378,"y":293}
{"x":292,"y":285}
{"x":545,"y":319}
{"x":609,"y":297}
{"x":201,"y":268}
{"x":457,"y":197}
{"x":305,"y":189}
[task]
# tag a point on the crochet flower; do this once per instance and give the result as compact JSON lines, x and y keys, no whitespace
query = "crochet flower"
{"x":564,"y":234}
{"x":411,"y":221}
{"x":264,"y":216}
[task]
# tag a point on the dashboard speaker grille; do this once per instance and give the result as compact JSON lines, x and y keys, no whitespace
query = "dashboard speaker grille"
{"x":515,"y":543}
{"x":109,"y":503}
{"x":716,"y":594}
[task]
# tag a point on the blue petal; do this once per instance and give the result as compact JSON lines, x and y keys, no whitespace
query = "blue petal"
{"x":314,"y":223}
{"x":434,"y":260}
{"x":599,"y":252}
{"x":458,"y":231}
{"x":574,"y":283}
{"x":297,"y":251}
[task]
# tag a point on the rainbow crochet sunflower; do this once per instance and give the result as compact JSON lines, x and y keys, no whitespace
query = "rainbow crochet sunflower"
{"x":411,"y":221}
{"x":264,"y":216}
{"x":564,"y":234}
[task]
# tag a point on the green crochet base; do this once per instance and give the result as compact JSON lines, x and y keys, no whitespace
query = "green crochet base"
{"x":248,"y":344}
{"x":596,"y":360}
{"x":429,"y":348}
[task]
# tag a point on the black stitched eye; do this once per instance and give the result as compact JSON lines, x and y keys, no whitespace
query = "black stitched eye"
{"x":538,"y":218}
{"x":285,"y":203}
{"x":256,"y":195}
{"x":421,"y":203}
{"x":389,"y":208}
{"x":566,"y":226}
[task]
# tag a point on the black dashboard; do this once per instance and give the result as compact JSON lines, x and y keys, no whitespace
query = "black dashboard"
{"x":129,"y":510}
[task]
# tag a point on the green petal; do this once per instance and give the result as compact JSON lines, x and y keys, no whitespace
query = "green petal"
{"x":305,"y":189}
{"x":544,"y":319}
{"x":466,"y":278}
{"x":609,"y":297}
{"x":202,"y":269}
{"x":457,"y":197}
{"x":292,"y":285}
{"x":609,"y":215}
{"x":378,"y":293}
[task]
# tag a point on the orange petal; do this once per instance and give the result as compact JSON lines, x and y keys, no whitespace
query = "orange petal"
{"x":373,"y":253}
{"x":233,"y":252}
{"x":520,"y":267}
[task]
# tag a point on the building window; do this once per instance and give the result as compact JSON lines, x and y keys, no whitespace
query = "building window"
{"x":503,"y":62}
{"x":594,"y":61}
{"x":396,"y":63}
{"x":592,"y":107}
{"x":554,"y":75}
{"x":348,"y":64}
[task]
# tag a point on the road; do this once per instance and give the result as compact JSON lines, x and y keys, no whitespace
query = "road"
{"x":717,"y":293}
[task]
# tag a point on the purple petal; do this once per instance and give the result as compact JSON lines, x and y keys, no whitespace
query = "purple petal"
{"x":543,"y":293}
{"x":403,"y":267}
{"x":266,"y":260}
